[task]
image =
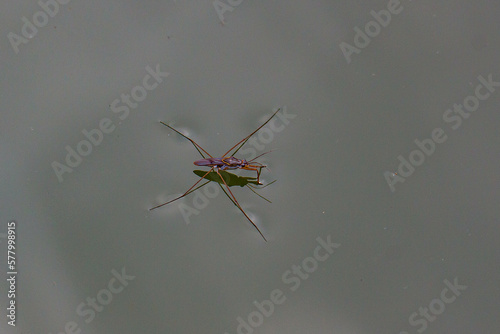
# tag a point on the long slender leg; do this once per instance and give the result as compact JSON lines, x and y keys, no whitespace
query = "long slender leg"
{"x":201,"y":185}
{"x":235,"y":201}
{"x":244,"y":140}
{"x":187,"y":191}
{"x":263,"y":186}
{"x":256,"y":193}
{"x":196,"y":146}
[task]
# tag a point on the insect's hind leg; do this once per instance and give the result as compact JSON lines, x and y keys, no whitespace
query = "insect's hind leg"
{"x":195,"y":144}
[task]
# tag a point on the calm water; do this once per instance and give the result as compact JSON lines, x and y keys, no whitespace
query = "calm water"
{"x":85,"y":157}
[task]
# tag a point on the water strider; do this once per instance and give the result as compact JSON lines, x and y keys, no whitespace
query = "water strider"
{"x":219,"y":167}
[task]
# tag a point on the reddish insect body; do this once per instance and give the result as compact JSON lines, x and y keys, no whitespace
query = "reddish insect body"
{"x":224,"y":163}
{"x":230,"y":163}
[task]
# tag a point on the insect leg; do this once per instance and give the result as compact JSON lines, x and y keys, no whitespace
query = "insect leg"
{"x":187,"y":191}
{"x":196,"y":146}
{"x":235,"y":202}
{"x":244,"y":140}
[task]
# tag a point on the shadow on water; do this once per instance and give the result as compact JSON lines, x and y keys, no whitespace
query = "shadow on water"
{"x":231,"y":180}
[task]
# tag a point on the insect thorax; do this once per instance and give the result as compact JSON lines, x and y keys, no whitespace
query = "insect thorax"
{"x":232,"y":161}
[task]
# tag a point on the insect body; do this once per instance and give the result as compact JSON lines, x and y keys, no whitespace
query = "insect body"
{"x":230,"y":163}
{"x":224,"y":163}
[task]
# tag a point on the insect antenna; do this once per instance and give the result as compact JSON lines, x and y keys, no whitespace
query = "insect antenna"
{"x":261,"y":155}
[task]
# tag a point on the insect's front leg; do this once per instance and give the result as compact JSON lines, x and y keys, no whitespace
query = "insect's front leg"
{"x":258,"y":174}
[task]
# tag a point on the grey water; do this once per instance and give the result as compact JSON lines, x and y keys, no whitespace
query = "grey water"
{"x":384,"y":213}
